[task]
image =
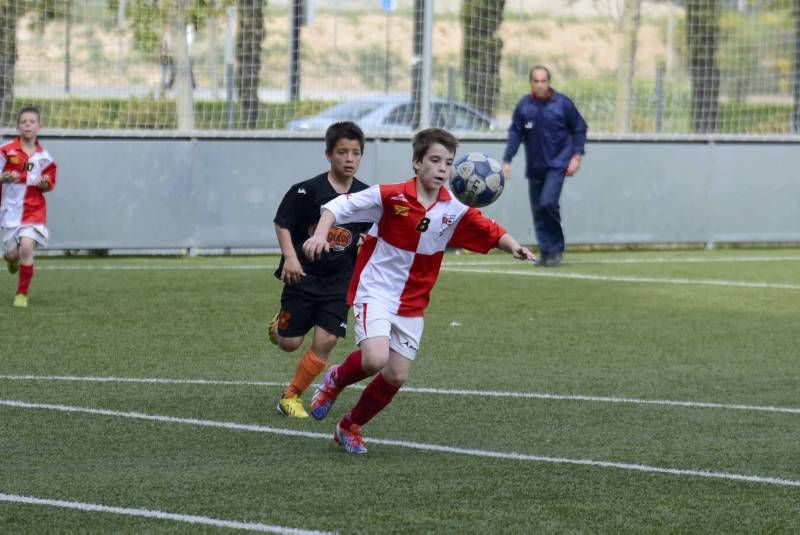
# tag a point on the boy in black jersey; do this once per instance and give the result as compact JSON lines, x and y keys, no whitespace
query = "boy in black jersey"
{"x":314,"y":292}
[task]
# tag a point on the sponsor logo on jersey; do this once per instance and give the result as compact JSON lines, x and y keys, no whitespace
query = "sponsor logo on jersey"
{"x":339,"y":238}
{"x":399,"y":197}
{"x":13,"y":160}
{"x":301,"y":191}
{"x":400,"y":210}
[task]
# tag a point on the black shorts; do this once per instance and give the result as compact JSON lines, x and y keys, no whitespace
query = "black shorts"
{"x":301,"y":311}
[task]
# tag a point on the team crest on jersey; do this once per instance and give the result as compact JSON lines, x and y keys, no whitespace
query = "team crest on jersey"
{"x":400,"y":210}
{"x":447,"y":222}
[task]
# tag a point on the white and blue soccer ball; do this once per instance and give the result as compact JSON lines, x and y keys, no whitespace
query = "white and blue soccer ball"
{"x":477,"y":179}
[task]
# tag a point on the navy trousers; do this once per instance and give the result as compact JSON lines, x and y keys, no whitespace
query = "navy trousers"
{"x":544,"y":192}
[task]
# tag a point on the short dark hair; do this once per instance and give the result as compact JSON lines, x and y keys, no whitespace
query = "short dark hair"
{"x":28,"y":109}
{"x":343,"y":130}
{"x":425,"y":138}
{"x":538,"y":68}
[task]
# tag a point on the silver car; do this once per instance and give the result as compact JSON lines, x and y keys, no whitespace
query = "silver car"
{"x":392,"y":113}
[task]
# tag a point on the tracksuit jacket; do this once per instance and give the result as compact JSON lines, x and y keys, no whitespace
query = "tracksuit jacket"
{"x":551,"y":128}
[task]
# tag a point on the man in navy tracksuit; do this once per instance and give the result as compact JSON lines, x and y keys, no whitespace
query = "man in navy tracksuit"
{"x":554,"y":134}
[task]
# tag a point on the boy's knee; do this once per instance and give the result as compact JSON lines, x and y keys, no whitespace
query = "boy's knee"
{"x":289,"y":344}
{"x":25,"y":256}
{"x":326,"y":341}
{"x":395,"y":377}
{"x":373,"y":363}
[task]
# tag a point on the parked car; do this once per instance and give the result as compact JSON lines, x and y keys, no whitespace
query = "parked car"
{"x":392,"y":113}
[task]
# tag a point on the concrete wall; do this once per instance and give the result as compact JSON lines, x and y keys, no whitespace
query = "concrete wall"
{"x":135,"y":193}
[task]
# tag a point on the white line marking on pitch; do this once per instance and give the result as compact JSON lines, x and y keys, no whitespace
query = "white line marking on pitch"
{"x":475,"y":267}
{"x":404,"y":444}
{"x":112,"y":267}
{"x":478,"y":261}
{"x":533,"y":272}
{"x":150,"y":513}
{"x":150,"y":380}
{"x":422,"y":390}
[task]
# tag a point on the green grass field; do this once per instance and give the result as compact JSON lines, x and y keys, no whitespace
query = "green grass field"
{"x":621,"y":392}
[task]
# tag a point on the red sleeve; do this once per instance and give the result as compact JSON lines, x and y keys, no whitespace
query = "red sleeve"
{"x":49,"y":173}
{"x":476,"y":232}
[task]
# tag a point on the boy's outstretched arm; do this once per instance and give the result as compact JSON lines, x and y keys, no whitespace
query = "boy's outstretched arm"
{"x":318,"y":243}
{"x":508,"y":244}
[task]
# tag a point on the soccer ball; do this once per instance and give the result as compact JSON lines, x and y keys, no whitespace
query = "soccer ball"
{"x":477,"y":180}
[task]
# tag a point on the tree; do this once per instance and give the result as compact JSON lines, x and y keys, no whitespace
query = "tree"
{"x":702,"y":29}
{"x":631,"y":16}
{"x":796,"y":68}
{"x":10,"y":13}
{"x":249,"y":36}
{"x":149,"y":19}
{"x":480,"y":20}
{"x":416,"y":63}
{"x":184,"y":94}
{"x":158,"y":22}
{"x":8,"y":58}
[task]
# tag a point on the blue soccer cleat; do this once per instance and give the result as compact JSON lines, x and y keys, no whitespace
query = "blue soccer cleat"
{"x":350,"y":439}
{"x":325,"y":395}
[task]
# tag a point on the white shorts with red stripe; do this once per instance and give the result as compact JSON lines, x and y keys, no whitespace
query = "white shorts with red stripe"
{"x":37,"y":233}
{"x":374,"y":319}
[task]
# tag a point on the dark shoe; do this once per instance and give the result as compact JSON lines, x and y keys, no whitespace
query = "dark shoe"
{"x":549,"y":259}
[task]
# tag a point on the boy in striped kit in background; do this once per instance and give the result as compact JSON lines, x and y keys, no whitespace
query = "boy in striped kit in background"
{"x":28,"y":171}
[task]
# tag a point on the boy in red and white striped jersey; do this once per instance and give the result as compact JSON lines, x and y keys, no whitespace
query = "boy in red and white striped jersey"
{"x":28,"y":171}
{"x":413,"y":223}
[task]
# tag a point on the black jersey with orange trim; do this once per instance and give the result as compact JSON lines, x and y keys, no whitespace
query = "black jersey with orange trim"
{"x":299,"y":213}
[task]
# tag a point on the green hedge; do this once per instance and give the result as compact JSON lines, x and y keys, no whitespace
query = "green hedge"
{"x":158,"y":114}
{"x":595,"y":102}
